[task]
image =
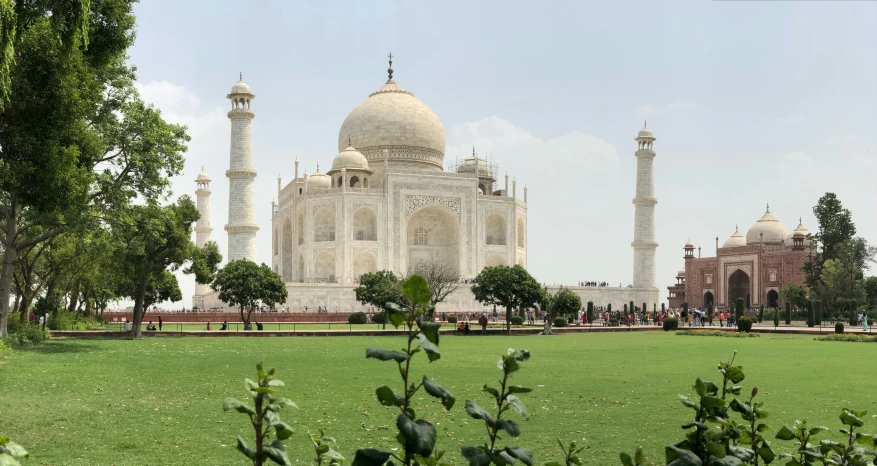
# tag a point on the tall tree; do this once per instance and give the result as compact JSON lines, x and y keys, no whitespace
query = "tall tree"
{"x":149,"y":240}
{"x":566,"y":303}
{"x":74,"y":124}
{"x":441,"y":279}
{"x":842,"y":278}
{"x":244,"y":284}
{"x":794,"y":294}
{"x":835,"y":227}
{"x":870,"y":285}
{"x":510,"y":287}
{"x":379,"y":288}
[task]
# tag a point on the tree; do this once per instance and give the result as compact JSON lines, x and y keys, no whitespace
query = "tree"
{"x":149,"y":240}
{"x":740,"y":306}
{"x":870,"y":285}
{"x":794,"y":294}
{"x":591,"y":312}
{"x":73,"y":124}
{"x":566,"y":303}
{"x":244,"y":284}
{"x":776,"y":317}
{"x":817,"y":312}
{"x":835,"y":227}
{"x":441,"y":279}
{"x":843,"y":278}
{"x":379,"y":288}
{"x":788,"y":313}
{"x":510,"y":287}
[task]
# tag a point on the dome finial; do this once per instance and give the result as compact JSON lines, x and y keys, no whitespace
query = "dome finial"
{"x":318,"y":167}
{"x":768,"y":206}
{"x":241,"y":76}
{"x":390,"y":69}
{"x":349,"y":144}
{"x":473,"y":151}
{"x":645,"y":124}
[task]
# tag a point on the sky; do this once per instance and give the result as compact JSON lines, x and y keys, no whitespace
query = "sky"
{"x":751,"y":103}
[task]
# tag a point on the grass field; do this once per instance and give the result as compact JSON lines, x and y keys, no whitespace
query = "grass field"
{"x":158,"y":401}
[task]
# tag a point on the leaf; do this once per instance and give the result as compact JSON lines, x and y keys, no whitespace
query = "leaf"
{"x":785,"y":434}
{"x":735,"y":374}
{"x":432,"y":351}
{"x":712,"y":402}
{"x":688,"y":402}
{"x":386,"y":396}
{"x":639,"y":457}
{"x":419,"y":435}
{"x":552,"y":463}
{"x":492,"y":391}
{"x":525,"y":455}
{"x":518,"y":389}
{"x":277,"y":452}
{"x":440,"y":392}
{"x":741,"y":408}
{"x":385,"y":355}
{"x":370,"y":457}
{"x":766,"y":453}
{"x":726,"y":461}
{"x":13,"y":449}
{"x":849,"y":418}
{"x":517,"y":405}
{"x":699,"y":387}
{"x":283,"y":430}
{"x":431,"y":330}
{"x":509,"y":426}
{"x":475,"y":456}
{"x":233,"y":404}
{"x":243,"y":448}
{"x":678,"y":457}
{"x":416,"y":290}
{"x":626,"y":460}
{"x":477,"y":412}
{"x":817,"y":429}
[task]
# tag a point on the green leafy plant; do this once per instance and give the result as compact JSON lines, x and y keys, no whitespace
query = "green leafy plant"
{"x":452,"y":319}
{"x":11,"y":452}
{"x":744,"y":324}
{"x":853,"y":315}
{"x":559,"y":322}
{"x":817,"y":312}
{"x":776,"y":318}
{"x":761,"y":313}
{"x":590,"y":312}
{"x":357,"y":318}
{"x":788,"y":313}
{"x":670,"y":323}
{"x":638,"y":459}
{"x":752,"y":412}
{"x":850,"y":338}
{"x":839,"y":327}
{"x":570,"y":455}
{"x":739,"y":306}
{"x":517,"y":320}
{"x":506,"y":399}
{"x":265,"y":417}
{"x":717,"y":333}
{"x":416,"y":436}
{"x":324,"y":449}
{"x":811,"y":319}
{"x":381,"y":318}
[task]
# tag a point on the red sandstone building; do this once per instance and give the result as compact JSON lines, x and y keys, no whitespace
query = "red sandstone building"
{"x":754,"y":267}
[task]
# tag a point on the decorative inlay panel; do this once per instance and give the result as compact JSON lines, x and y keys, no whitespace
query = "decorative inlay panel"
{"x":413,"y":203}
{"x":317,"y":207}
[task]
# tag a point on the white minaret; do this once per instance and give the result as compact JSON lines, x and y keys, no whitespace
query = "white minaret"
{"x":241,"y":225}
{"x":644,"y":213}
{"x":202,"y":228}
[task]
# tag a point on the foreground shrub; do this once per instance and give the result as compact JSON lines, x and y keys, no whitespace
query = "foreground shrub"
{"x":357,"y":318}
{"x":670,"y":323}
{"x":559,"y":322}
{"x":265,"y":417}
{"x":11,"y":452}
{"x":517,"y":320}
{"x":452,"y":319}
{"x":716,"y":333}
{"x":744,"y":324}
{"x":381,"y":318}
{"x":26,"y":337}
{"x":839,"y":327}
{"x":63,"y":320}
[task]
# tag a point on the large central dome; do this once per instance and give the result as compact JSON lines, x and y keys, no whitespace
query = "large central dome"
{"x":391,"y":118}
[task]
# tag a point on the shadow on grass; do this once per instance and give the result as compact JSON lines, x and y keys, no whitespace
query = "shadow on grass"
{"x":63,"y":346}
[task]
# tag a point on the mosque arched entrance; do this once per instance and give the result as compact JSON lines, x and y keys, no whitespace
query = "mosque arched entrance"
{"x":708,"y":298}
{"x":773,"y":298}
{"x":433,"y":236}
{"x":738,"y":287}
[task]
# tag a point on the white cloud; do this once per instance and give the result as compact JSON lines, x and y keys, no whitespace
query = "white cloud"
{"x":682,"y":106}
{"x":652,"y":109}
{"x":798,"y":157}
{"x":790,"y":119}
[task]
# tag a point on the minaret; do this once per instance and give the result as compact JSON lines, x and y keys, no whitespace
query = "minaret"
{"x":644,"y":213}
{"x":241,"y":225}
{"x":202,"y":227}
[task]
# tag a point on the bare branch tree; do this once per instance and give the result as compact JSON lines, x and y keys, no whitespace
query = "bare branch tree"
{"x":441,"y":279}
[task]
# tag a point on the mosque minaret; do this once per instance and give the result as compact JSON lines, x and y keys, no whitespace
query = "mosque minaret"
{"x":644,"y":243}
{"x":202,"y":227}
{"x":241,"y":225}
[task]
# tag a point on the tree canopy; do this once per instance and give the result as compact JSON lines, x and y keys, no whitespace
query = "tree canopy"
{"x":244,"y":284}
{"x":794,"y":294}
{"x":566,"y":303}
{"x":379,"y":288}
{"x":510,"y":287}
{"x":835,"y":227}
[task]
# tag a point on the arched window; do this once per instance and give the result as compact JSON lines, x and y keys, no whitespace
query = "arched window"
{"x":286,"y":259}
{"x":300,"y":226}
{"x":772,"y":276}
{"x":276,"y":248}
{"x":421,"y":237}
{"x":324,"y":225}
{"x":495,"y":230}
{"x":354,"y":181}
{"x":709,"y":279}
{"x":521,"y":233}
{"x":365,"y":225}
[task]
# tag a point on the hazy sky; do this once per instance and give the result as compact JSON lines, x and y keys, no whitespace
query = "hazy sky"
{"x":751,"y":103}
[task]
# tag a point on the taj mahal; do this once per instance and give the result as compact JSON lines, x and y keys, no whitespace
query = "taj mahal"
{"x":386,"y":202}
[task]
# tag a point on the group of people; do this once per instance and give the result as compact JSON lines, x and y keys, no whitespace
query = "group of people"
{"x":225,"y":326}
{"x":593,"y":284}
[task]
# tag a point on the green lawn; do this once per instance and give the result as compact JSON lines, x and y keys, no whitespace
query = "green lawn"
{"x":158,"y":401}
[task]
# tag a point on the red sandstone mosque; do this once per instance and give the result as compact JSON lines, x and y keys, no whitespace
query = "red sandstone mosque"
{"x":754,"y":267}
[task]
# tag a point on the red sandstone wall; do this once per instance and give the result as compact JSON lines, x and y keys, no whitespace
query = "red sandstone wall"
{"x":231,"y":316}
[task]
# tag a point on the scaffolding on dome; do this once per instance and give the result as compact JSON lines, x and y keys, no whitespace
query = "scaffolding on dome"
{"x":491,"y":164}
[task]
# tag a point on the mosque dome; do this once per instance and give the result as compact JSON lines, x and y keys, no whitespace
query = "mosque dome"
{"x":799,"y":230}
{"x":475,"y":165}
{"x":203,"y":176}
{"x":689,"y":245}
{"x":350,"y":159}
{"x":318,"y":181}
{"x":736,"y":240}
{"x":392,"y":118}
{"x":681,"y":273}
{"x":773,"y":230}
{"x":645,"y":133}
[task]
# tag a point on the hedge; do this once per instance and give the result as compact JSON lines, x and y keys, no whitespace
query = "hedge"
{"x":839,"y":327}
{"x":670,"y":323}
{"x":744,"y":324}
{"x":452,"y":319}
{"x":517,"y":320}
{"x":380,"y":318}
{"x":559,"y":322}
{"x":357,"y":318}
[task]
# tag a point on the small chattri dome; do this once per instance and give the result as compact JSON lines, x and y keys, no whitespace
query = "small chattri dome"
{"x":203,"y":176}
{"x":318,"y":181}
{"x":475,"y":165}
{"x":681,"y":273}
{"x":767,"y":230}
{"x":350,"y":159}
{"x":689,"y":244}
{"x":799,"y":232}
{"x":645,"y":132}
{"x":736,"y":240}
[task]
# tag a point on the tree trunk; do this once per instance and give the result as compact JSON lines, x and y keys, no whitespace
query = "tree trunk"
{"x":10,"y":254}
{"x":138,"y":306}
{"x":508,"y":320}
{"x":74,"y":297}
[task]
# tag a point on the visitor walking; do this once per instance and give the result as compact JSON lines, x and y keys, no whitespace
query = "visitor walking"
{"x":159,"y":323}
{"x":864,"y":322}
